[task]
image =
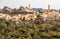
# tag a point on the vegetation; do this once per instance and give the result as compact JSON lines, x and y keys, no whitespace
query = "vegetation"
{"x":10,"y":30}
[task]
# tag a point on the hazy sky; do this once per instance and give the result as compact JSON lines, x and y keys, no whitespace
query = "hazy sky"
{"x":55,"y":4}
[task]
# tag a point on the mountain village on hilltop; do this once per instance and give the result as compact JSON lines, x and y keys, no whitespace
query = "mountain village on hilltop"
{"x":25,"y":13}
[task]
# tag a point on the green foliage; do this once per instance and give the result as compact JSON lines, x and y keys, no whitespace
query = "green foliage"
{"x":10,"y":30}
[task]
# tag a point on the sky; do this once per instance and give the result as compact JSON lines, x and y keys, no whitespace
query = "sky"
{"x":54,"y":4}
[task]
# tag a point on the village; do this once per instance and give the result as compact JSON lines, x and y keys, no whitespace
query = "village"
{"x":25,"y":13}
{"x":29,"y":19}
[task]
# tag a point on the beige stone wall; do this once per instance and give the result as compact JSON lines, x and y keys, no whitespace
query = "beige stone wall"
{"x":51,"y":15}
{"x":17,"y":17}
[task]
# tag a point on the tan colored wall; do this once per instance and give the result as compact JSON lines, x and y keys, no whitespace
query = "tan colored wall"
{"x":30,"y":16}
{"x":17,"y":17}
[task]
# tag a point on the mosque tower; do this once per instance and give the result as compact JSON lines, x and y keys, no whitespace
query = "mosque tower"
{"x":29,"y":6}
{"x":48,"y":8}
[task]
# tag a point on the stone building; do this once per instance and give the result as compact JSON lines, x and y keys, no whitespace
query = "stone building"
{"x":48,"y":15}
{"x":26,"y":13}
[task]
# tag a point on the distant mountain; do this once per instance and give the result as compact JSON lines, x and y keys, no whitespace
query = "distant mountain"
{"x":37,"y":9}
{"x":6,"y":7}
{"x":34,"y":9}
{"x":21,"y":7}
{"x":54,"y":10}
{"x":59,"y":10}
